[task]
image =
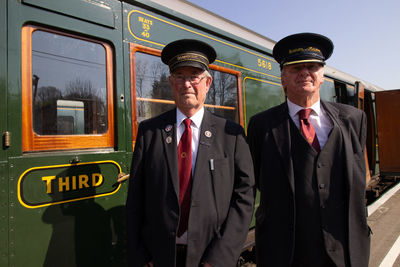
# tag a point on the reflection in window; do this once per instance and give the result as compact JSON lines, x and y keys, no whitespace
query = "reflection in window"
{"x":70,"y":117}
{"x":154,"y":94}
{"x":151,"y":86}
{"x":352,"y":96}
{"x":223,"y":95}
{"x":69,"y":93}
{"x":262,"y":95}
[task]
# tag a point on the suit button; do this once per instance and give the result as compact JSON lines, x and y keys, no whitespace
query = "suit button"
{"x":321,"y":186}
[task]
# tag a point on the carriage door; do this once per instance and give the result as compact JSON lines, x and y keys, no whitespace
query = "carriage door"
{"x":387,"y":119}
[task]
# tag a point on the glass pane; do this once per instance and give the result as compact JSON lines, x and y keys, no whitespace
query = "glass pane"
{"x":69,"y":91}
{"x":352,"y":96}
{"x":154,"y":94}
{"x":223,"y":93}
{"x":151,"y":85}
{"x":327,"y":92}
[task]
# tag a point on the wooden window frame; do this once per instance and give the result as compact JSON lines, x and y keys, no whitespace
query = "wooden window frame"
{"x":32,"y":141}
{"x":133,"y":48}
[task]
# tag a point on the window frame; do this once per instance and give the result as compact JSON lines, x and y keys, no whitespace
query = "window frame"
{"x":133,"y":48}
{"x":31,"y":141}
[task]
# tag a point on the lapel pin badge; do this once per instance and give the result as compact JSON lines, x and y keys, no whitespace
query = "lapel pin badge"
{"x":208,"y":134}
{"x":168,"y":128}
{"x":168,"y":140}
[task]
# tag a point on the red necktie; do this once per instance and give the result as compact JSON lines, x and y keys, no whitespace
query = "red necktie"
{"x":185,"y":173}
{"x":307,"y":130}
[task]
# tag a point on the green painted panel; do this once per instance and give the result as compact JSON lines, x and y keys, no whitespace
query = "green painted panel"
{"x":3,"y":74}
{"x":150,"y":29}
{"x":4,"y":254}
{"x":256,"y":205}
{"x":96,"y":11}
{"x":3,"y":214}
{"x":75,"y":227}
{"x":57,"y":184}
{"x":261,"y":95}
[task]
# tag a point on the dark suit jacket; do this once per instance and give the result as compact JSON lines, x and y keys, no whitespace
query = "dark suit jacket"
{"x":218,"y":223}
{"x":269,"y":140}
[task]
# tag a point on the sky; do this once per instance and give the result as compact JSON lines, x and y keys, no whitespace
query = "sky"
{"x":365,"y":33}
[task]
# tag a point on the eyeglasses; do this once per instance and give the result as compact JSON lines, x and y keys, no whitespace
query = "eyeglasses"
{"x":193,"y":79}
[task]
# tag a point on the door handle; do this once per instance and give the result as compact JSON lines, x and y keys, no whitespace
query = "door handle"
{"x":122,"y":177}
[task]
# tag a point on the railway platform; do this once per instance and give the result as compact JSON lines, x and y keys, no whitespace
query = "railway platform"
{"x":384,"y":220}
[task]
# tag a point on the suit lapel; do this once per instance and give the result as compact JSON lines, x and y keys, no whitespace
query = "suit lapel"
{"x":207,"y":135}
{"x":281,"y":133}
{"x":168,"y":129}
{"x":343,"y":122}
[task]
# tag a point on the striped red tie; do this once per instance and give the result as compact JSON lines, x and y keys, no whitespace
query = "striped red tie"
{"x":307,"y":130}
{"x":185,"y":173}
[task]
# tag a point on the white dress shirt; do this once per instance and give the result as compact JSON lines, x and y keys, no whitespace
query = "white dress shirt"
{"x":318,"y":118}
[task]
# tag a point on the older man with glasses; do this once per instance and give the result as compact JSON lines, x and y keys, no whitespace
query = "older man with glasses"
{"x":191,"y":191}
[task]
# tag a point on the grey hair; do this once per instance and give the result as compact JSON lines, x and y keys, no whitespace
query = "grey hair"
{"x":207,"y":74}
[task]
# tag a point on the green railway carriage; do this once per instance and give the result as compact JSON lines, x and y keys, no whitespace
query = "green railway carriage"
{"x":76,"y":78}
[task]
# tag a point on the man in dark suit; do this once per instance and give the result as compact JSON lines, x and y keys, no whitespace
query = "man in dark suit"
{"x":309,"y":167}
{"x":191,"y":190}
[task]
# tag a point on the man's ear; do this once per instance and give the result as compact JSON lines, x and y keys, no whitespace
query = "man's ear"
{"x":208,"y":83}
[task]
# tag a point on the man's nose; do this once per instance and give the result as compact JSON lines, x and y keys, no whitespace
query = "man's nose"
{"x":187,"y":82}
{"x":304,"y":70}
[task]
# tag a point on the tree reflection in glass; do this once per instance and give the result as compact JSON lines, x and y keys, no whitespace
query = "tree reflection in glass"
{"x":69,"y":91}
{"x":154,"y":95}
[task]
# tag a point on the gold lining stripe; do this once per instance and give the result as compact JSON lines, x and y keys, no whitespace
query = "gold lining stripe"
{"x":188,"y":30}
{"x":269,"y":58}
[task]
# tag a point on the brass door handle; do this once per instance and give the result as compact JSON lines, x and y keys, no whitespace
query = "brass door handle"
{"x":122,"y":177}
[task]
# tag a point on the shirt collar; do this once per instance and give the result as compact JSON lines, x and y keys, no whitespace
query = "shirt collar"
{"x":196,"y":118}
{"x":294,"y":109}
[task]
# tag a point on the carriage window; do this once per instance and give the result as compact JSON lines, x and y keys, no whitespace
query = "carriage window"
{"x":68,"y":76}
{"x":352,"y":96}
{"x":222,"y":98}
{"x":154,"y":96}
{"x":67,"y":91}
